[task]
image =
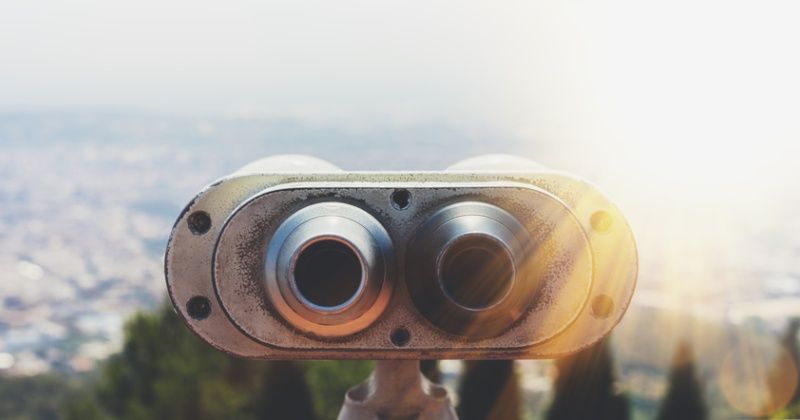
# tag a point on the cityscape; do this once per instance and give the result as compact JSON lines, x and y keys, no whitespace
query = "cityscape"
{"x":87,"y":201}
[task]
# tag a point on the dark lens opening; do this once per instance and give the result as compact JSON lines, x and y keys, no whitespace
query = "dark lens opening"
{"x":328,"y":273}
{"x":476,"y":272}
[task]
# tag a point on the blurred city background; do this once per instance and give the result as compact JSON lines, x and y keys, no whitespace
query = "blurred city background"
{"x":112,"y":116}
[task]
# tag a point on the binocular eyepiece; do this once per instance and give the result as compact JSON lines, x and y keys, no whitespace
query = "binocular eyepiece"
{"x":327,"y":269}
{"x":292,"y":258}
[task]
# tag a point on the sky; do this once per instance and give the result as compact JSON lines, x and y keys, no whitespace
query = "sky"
{"x":686,"y":112}
{"x":567,"y":67}
{"x":688,"y":106}
{"x":630,"y":81}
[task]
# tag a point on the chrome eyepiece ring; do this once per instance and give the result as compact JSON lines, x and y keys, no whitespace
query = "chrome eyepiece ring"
{"x":329,"y":269}
{"x":464,"y":269}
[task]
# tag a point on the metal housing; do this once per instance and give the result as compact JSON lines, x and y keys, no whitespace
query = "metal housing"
{"x":567,"y":254}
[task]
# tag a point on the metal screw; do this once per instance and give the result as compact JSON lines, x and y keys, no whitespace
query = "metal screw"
{"x":400,"y":337}
{"x":198,"y":307}
{"x":401,"y":199}
{"x":199,"y":222}
{"x":602,"y":306}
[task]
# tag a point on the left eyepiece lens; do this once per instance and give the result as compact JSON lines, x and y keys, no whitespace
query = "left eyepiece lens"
{"x":329,"y":269}
{"x":328,"y":273}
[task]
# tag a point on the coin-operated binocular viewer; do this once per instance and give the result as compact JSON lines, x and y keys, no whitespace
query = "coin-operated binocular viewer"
{"x":494,"y":258}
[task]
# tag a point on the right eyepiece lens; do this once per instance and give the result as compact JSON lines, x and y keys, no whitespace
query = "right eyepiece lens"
{"x":463,"y":270}
{"x":477,"y":272}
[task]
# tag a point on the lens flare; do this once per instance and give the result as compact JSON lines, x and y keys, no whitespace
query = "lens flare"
{"x":758,"y":380}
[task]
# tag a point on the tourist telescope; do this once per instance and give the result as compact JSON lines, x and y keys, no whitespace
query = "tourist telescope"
{"x":496,"y":257}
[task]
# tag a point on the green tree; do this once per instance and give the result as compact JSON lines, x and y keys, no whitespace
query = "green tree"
{"x":684,"y":399}
{"x":789,"y":343}
{"x":585,"y":387}
{"x":779,"y":381}
{"x":165,"y":372}
{"x":788,"y":413}
{"x":330,"y":380}
{"x":36,"y":397}
{"x":489,"y":389}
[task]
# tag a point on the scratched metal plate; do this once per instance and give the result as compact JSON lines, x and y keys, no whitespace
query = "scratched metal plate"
{"x":562,"y":326}
{"x":565,"y":256}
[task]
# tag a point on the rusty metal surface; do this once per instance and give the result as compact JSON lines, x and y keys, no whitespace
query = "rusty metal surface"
{"x":576,"y":315}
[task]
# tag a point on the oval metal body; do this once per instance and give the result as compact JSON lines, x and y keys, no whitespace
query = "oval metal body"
{"x":563,"y":264}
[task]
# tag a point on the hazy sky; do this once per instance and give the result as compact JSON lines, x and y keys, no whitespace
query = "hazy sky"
{"x":696,"y":81}
{"x":686,"y":112}
{"x":504,"y":62}
{"x":318,"y":59}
